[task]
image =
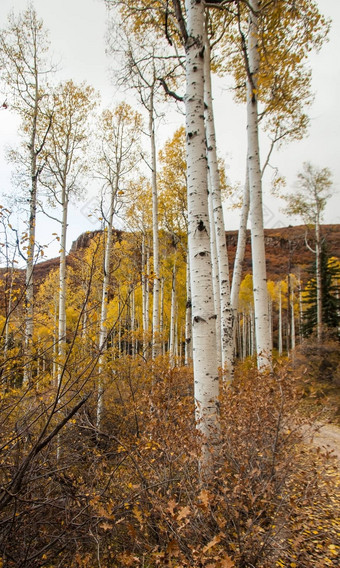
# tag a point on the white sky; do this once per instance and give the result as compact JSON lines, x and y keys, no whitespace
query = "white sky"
{"x":77,"y":29}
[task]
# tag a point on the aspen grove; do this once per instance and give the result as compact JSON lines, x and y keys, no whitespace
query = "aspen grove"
{"x":153,"y":385}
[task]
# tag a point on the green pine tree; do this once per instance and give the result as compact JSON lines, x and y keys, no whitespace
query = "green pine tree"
{"x":330,"y":291}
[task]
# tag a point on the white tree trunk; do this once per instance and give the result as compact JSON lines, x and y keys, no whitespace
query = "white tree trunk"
{"x":155,"y":236}
{"x":241,"y":246}
{"x":206,"y":386}
{"x":172,"y":319}
{"x":263,"y":345}
{"x":188,"y":319}
{"x":224,"y":302}
{"x":215,"y":278}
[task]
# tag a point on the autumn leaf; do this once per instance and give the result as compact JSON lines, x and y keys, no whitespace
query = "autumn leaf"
{"x":204,"y":497}
{"x":183,"y":513}
{"x":105,"y":526}
{"x":171,"y":506}
{"x":227,"y":562}
{"x":212,"y":543}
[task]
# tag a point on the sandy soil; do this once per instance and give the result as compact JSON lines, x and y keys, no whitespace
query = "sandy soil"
{"x":327,"y":438}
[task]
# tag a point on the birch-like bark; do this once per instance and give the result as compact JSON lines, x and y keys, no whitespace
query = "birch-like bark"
{"x":172,"y":318}
{"x":263,"y":346}
{"x":241,"y":246}
{"x":218,"y":237}
{"x":215,"y":278}
{"x":24,"y":69}
{"x":206,"y":386}
{"x":155,"y":236}
{"x":188,"y":319}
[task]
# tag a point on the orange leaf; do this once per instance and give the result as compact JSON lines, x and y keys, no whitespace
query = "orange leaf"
{"x":212,"y":543}
{"x":171,"y":506}
{"x":204,"y":497}
{"x":227,"y":562}
{"x":183,"y":513}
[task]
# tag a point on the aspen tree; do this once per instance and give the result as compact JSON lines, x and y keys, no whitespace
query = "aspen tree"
{"x":279,"y":38}
{"x":119,"y":131}
{"x":255,"y":184}
{"x":223,"y":305}
{"x":203,"y":315}
{"x":309,"y":202}
{"x":190,"y":27}
{"x":65,"y":154}
{"x":24,"y":69}
{"x":142,"y":67}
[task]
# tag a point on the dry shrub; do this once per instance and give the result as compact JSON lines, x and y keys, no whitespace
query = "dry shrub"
{"x":132,"y":493}
{"x":320,"y":365}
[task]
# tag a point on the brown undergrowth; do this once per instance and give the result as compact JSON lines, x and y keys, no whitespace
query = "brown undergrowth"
{"x":132,"y":493}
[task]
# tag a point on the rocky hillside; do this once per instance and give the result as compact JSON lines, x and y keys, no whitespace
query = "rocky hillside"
{"x":285,"y":248}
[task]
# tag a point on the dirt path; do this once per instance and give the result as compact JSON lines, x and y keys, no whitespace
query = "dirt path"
{"x":327,"y":438}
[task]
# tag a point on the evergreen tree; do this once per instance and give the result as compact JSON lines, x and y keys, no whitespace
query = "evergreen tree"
{"x":330,"y":286}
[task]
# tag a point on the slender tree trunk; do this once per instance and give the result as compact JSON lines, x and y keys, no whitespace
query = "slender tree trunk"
{"x":29,"y":267}
{"x":145,"y":294}
{"x":280,"y":320}
{"x":206,"y":386}
{"x":292,"y":321}
{"x":215,"y":279}
{"x":161,"y":318}
{"x":241,"y":246}
{"x":104,"y":304}
{"x":270,"y":314}
{"x":263,"y":345}
{"x":155,"y":236}
{"x":172,"y":318}
{"x":62,"y":287}
{"x":223,"y":304}
{"x":318,"y":280}
{"x":188,"y":319}
{"x":243,"y":352}
{"x":133,"y":321}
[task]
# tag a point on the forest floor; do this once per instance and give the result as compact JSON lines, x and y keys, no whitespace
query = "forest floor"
{"x":327,"y":437}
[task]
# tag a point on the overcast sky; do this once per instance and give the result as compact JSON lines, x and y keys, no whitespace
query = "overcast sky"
{"x":77,"y":29}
